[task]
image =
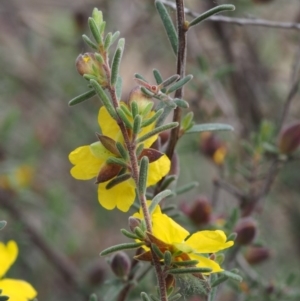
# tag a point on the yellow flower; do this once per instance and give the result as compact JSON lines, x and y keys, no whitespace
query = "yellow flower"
{"x":89,"y":160}
{"x":16,"y":290}
{"x":168,"y":235}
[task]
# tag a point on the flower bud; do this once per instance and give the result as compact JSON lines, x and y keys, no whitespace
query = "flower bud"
{"x":138,"y":96}
{"x":133,"y":223}
{"x":213,"y":147}
{"x":289,"y":139}
{"x":200,"y":211}
{"x":88,"y":64}
{"x":95,"y":274}
{"x":246,"y":230}
{"x":120,"y":265}
{"x":255,"y":255}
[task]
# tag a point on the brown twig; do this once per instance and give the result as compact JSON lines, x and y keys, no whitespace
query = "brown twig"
{"x":241,"y":21}
{"x":62,"y":264}
{"x":181,"y":62}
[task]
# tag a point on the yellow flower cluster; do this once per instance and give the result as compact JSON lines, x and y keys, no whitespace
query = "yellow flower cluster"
{"x":90,"y":160}
{"x":169,"y":235}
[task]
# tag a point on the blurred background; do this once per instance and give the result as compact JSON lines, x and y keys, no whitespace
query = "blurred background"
{"x":242,"y":76}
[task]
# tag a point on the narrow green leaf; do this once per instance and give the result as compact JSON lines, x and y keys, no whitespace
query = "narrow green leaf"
{"x":97,"y":16}
{"x":153,"y":118}
{"x":219,"y":280}
{"x":147,"y":92}
{"x":158,"y":198}
{"x":232,"y":276}
{"x":128,"y":234}
{"x":114,"y":160}
{"x":95,"y":31}
{"x":120,"y":247}
{"x":157,"y":76}
{"x":115,"y":66}
{"x":125,"y":109}
{"x":168,"y":25}
{"x":114,"y":37}
{"x":139,"y":149}
{"x":167,"y":181}
{"x":213,"y":292}
{"x":143,"y":175}
{"x":99,"y":58}
{"x":185,"y":188}
{"x":107,"y":41}
{"x":139,"y":76}
{"x":117,"y":180}
{"x":211,"y":12}
{"x":157,"y":251}
{"x":187,"y":121}
{"x":88,"y":41}
{"x":208,"y":127}
{"x":167,"y":258}
{"x":134,"y":108}
{"x":147,"y":109}
{"x":139,"y":233}
{"x":124,"y":118}
{"x":167,"y":82}
{"x":123,"y":152}
{"x":119,"y":87}
{"x":137,"y":124}
{"x":181,"y":103}
{"x":80,"y":98}
{"x":189,"y":270}
{"x":158,"y":130}
{"x":179,"y":84}
{"x":121,"y":44}
{"x":145,"y":297}
{"x":104,"y":98}
{"x":102,"y":28}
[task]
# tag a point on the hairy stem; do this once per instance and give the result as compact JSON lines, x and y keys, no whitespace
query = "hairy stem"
{"x":181,"y":59}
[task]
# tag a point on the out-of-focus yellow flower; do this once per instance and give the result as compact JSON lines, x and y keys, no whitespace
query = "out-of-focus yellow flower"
{"x":90,"y":161}
{"x":168,"y":235}
{"x":15,"y":289}
{"x":20,"y":177}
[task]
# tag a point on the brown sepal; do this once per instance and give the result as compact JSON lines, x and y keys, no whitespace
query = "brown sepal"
{"x":151,"y":153}
{"x":109,"y":144}
{"x":146,"y":256}
{"x":107,"y":172}
{"x":160,"y":244}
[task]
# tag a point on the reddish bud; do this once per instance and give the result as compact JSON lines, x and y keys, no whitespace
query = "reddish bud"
{"x":120,"y":265}
{"x":200,"y":211}
{"x":255,"y":255}
{"x":133,"y":223}
{"x":96,"y":274}
{"x":213,"y":147}
{"x":289,"y":139}
{"x":246,"y":230}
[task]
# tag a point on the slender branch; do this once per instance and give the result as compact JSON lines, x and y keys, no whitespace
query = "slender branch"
{"x":229,"y":188}
{"x":63,"y":265}
{"x":181,"y":62}
{"x":240,"y":21}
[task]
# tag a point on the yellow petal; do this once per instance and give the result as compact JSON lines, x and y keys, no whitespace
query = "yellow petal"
{"x":8,"y":255}
{"x":121,"y":195}
{"x":206,"y":263}
{"x":208,"y":241}
{"x":17,"y":290}
{"x":108,"y":125}
{"x":140,"y":214}
{"x":86,"y":164}
{"x":158,"y":169}
{"x":167,"y":230}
